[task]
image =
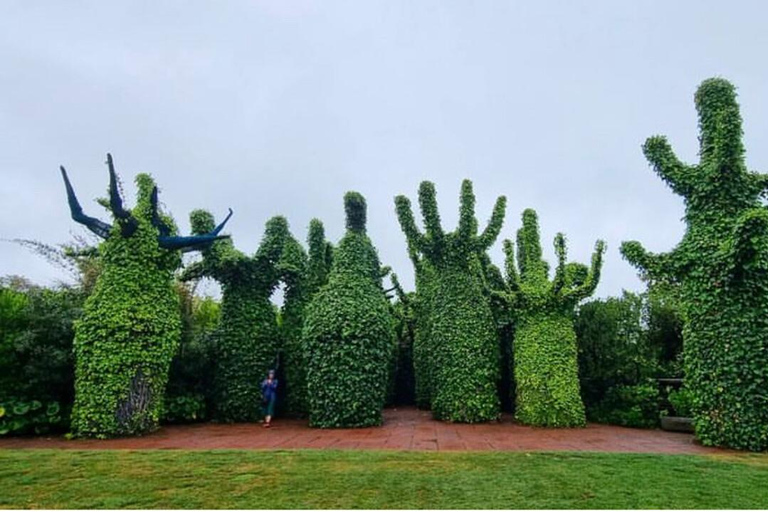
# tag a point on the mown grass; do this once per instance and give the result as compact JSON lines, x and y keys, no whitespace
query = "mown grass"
{"x":371,"y":479}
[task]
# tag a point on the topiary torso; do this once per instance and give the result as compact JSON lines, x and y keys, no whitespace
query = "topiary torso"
{"x":349,"y":333}
{"x":247,"y":339}
{"x":456,"y":357}
{"x":125,"y":341}
{"x":302,"y":276}
{"x":545,"y":350}
{"x":128,"y":333}
{"x":722,"y":267}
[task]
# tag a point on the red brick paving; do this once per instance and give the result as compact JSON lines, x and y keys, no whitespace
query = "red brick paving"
{"x":403,"y":429}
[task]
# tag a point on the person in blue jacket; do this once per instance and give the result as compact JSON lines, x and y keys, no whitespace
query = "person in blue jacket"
{"x":269,"y":396}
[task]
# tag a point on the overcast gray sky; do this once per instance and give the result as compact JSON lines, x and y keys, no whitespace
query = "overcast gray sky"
{"x":280,"y":107}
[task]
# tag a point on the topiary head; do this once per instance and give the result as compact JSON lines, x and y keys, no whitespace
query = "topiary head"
{"x":355,"y":208}
{"x":143,"y":233}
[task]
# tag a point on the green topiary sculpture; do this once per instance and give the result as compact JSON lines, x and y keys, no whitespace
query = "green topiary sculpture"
{"x":303,"y":276}
{"x":463,"y":368}
{"x":349,"y":333}
{"x":247,"y":340}
{"x":131,"y":323}
{"x":545,"y":350}
{"x":722,"y":267}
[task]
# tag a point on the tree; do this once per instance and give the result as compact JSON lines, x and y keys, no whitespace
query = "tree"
{"x":348,"y":332}
{"x":456,"y":348}
{"x":545,"y":351}
{"x":721,"y":265}
{"x":131,"y":324}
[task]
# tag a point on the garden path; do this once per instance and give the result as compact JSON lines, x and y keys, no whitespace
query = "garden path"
{"x":403,"y":429}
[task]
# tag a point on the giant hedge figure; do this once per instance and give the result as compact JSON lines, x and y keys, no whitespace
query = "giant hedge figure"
{"x":349,"y":333}
{"x":131,"y":323}
{"x":463,"y":369}
{"x":545,"y":350}
{"x":302,"y":275}
{"x":722,"y":266}
{"x":247,"y":340}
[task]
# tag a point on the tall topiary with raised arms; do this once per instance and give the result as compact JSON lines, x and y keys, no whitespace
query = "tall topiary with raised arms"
{"x":722,"y":267}
{"x":460,"y":334}
{"x":545,"y":351}
{"x":131,"y":323}
{"x":247,"y":340}
{"x":349,"y":333}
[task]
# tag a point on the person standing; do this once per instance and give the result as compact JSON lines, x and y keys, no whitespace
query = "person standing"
{"x":269,"y":396}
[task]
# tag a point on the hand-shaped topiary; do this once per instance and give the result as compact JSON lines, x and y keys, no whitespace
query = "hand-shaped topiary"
{"x":247,"y":339}
{"x":463,"y":369}
{"x":545,"y":351}
{"x":131,"y":323}
{"x":722,"y":267}
{"x":348,"y":333}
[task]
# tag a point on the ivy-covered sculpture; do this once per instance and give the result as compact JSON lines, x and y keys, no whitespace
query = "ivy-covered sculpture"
{"x":722,"y":267}
{"x":131,"y":323}
{"x":348,"y":332}
{"x":424,"y":365}
{"x":302,"y":276}
{"x":247,"y":340}
{"x":545,"y":350}
{"x":461,"y":349}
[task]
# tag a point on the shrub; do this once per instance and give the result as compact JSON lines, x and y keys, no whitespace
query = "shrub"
{"x":545,"y":352}
{"x":682,"y":401}
{"x":722,"y":267}
{"x":626,"y":341}
{"x":185,"y":408}
{"x":189,"y":397}
{"x":613,"y":346}
{"x":32,"y":417}
{"x":630,"y":406}
{"x":348,"y":333}
{"x":456,"y":347}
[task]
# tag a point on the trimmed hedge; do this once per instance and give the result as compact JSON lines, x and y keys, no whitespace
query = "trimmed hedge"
{"x":349,"y":333}
{"x":247,"y":339}
{"x":545,"y":351}
{"x":456,"y":355}
{"x":722,"y":267}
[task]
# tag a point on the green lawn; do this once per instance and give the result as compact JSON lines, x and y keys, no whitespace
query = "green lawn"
{"x":370,"y":479}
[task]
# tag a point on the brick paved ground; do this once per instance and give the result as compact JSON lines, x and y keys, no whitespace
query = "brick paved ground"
{"x":403,"y":429}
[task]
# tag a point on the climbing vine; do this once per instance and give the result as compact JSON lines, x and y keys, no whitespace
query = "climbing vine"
{"x":247,"y":340}
{"x":545,"y":351}
{"x":721,"y":265}
{"x":348,"y":332}
{"x":302,"y":275}
{"x":131,"y":323}
{"x":456,"y":348}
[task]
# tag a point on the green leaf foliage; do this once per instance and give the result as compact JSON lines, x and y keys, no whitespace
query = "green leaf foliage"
{"x":545,"y":350}
{"x":302,"y":275}
{"x":247,"y":339}
{"x":129,"y":330}
{"x":721,"y":265}
{"x":348,"y":333}
{"x":189,"y":395}
{"x":628,"y":342}
{"x":456,"y":356}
